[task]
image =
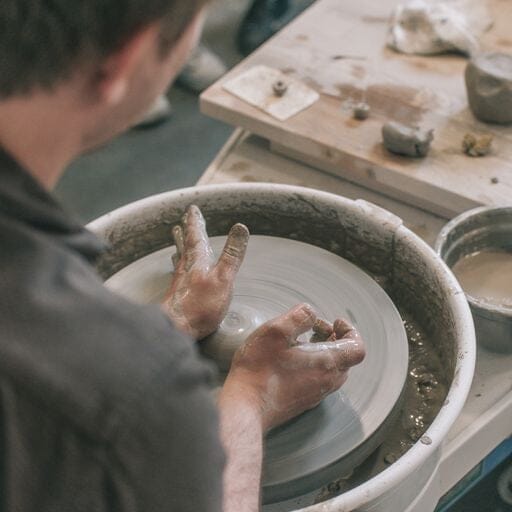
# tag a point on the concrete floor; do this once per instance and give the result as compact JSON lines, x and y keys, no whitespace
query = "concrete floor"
{"x":140,"y":162}
{"x":172,"y":155}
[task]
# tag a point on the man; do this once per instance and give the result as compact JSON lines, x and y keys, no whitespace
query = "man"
{"x":105,"y":406}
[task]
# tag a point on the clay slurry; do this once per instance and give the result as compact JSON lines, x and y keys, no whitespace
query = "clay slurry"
{"x":489,"y":87}
{"x":487,"y":275}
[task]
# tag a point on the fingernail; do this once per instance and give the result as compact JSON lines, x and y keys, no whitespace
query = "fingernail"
{"x":342,"y":326}
{"x":240,"y":231}
{"x":322,"y":327}
{"x":192,"y":210}
{"x":308,"y":311}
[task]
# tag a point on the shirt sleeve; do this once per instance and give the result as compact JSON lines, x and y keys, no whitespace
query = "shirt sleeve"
{"x":170,"y":453}
{"x":104,"y":406}
{"x":47,"y":464}
{"x":165,"y":454}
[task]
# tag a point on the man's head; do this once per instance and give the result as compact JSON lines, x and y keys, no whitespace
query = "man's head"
{"x":42,"y":42}
{"x":107,"y":58}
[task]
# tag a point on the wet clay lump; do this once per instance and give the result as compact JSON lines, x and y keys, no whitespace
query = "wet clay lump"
{"x":489,"y":87}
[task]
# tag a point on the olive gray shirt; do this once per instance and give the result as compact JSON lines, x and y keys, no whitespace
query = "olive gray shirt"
{"x":104,"y":406}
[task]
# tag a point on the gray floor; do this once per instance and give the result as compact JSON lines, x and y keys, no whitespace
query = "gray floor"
{"x":173,"y":155}
{"x":140,"y":163}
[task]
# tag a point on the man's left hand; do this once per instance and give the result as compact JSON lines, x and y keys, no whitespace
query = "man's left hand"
{"x":201,"y":290}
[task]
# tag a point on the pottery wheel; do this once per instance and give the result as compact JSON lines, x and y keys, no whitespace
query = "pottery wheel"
{"x":277,"y":274}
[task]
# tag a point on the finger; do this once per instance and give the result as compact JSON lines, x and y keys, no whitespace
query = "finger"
{"x":322,"y":329}
{"x":344,"y":329}
{"x":197,"y":249}
{"x":233,"y":252}
{"x":339,"y":354}
{"x":332,"y":337}
{"x":177,"y":234}
{"x":348,"y":353}
{"x":294,"y":322}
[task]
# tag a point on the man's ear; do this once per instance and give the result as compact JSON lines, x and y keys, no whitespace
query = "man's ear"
{"x":113,"y":75}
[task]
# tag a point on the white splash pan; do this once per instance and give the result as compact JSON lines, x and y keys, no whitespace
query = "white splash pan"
{"x":369,"y":236}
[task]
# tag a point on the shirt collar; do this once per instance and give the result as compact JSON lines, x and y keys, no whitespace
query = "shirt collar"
{"x":24,"y":199}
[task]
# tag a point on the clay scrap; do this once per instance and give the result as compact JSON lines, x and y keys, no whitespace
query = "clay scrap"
{"x":406,"y":140}
{"x":425,"y":27}
{"x":489,"y":87}
{"x":477,"y":145}
{"x":361,"y":111}
{"x":279,"y":87}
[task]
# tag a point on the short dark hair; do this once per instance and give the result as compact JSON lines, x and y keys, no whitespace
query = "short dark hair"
{"x":43,"y":41}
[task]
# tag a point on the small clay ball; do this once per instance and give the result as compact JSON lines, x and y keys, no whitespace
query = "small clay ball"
{"x":279,"y":88}
{"x":361,"y":111}
{"x":406,"y":140}
{"x":489,"y":87}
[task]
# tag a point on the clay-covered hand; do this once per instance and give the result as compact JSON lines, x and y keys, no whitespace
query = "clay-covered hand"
{"x":201,"y":289}
{"x":283,"y":377}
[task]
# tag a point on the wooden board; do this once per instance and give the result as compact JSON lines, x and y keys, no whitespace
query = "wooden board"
{"x":247,"y":158}
{"x":338,"y":48}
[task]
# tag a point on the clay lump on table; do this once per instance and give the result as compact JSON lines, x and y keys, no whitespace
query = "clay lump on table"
{"x":428,"y":27}
{"x":406,"y":140}
{"x":489,"y":87}
{"x":476,"y":145}
{"x":361,"y":111}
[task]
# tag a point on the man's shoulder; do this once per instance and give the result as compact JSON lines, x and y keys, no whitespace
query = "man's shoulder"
{"x":78,"y":348}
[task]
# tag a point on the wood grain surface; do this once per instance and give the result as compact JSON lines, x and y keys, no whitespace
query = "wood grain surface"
{"x":246,"y":158}
{"x":338,"y":48}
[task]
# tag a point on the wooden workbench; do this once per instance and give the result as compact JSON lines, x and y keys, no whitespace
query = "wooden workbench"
{"x":338,"y":47}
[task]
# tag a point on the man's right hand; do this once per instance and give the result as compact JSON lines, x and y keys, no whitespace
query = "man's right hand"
{"x":281,"y":377}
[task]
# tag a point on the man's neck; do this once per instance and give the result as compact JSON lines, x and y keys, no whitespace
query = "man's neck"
{"x":41,"y":133}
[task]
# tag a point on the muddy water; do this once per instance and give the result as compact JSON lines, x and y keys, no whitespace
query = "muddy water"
{"x":424,"y":395}
{"x":487,"y":275}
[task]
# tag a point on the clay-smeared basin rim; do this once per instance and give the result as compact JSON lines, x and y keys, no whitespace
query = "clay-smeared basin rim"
{"x":113,"y":225}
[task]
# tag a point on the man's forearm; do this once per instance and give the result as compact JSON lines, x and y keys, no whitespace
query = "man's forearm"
{"x":242,"y":437}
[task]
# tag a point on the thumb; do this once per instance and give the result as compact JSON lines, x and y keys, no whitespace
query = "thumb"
{"x":291,"y":324}
{"x":338,"y":355}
